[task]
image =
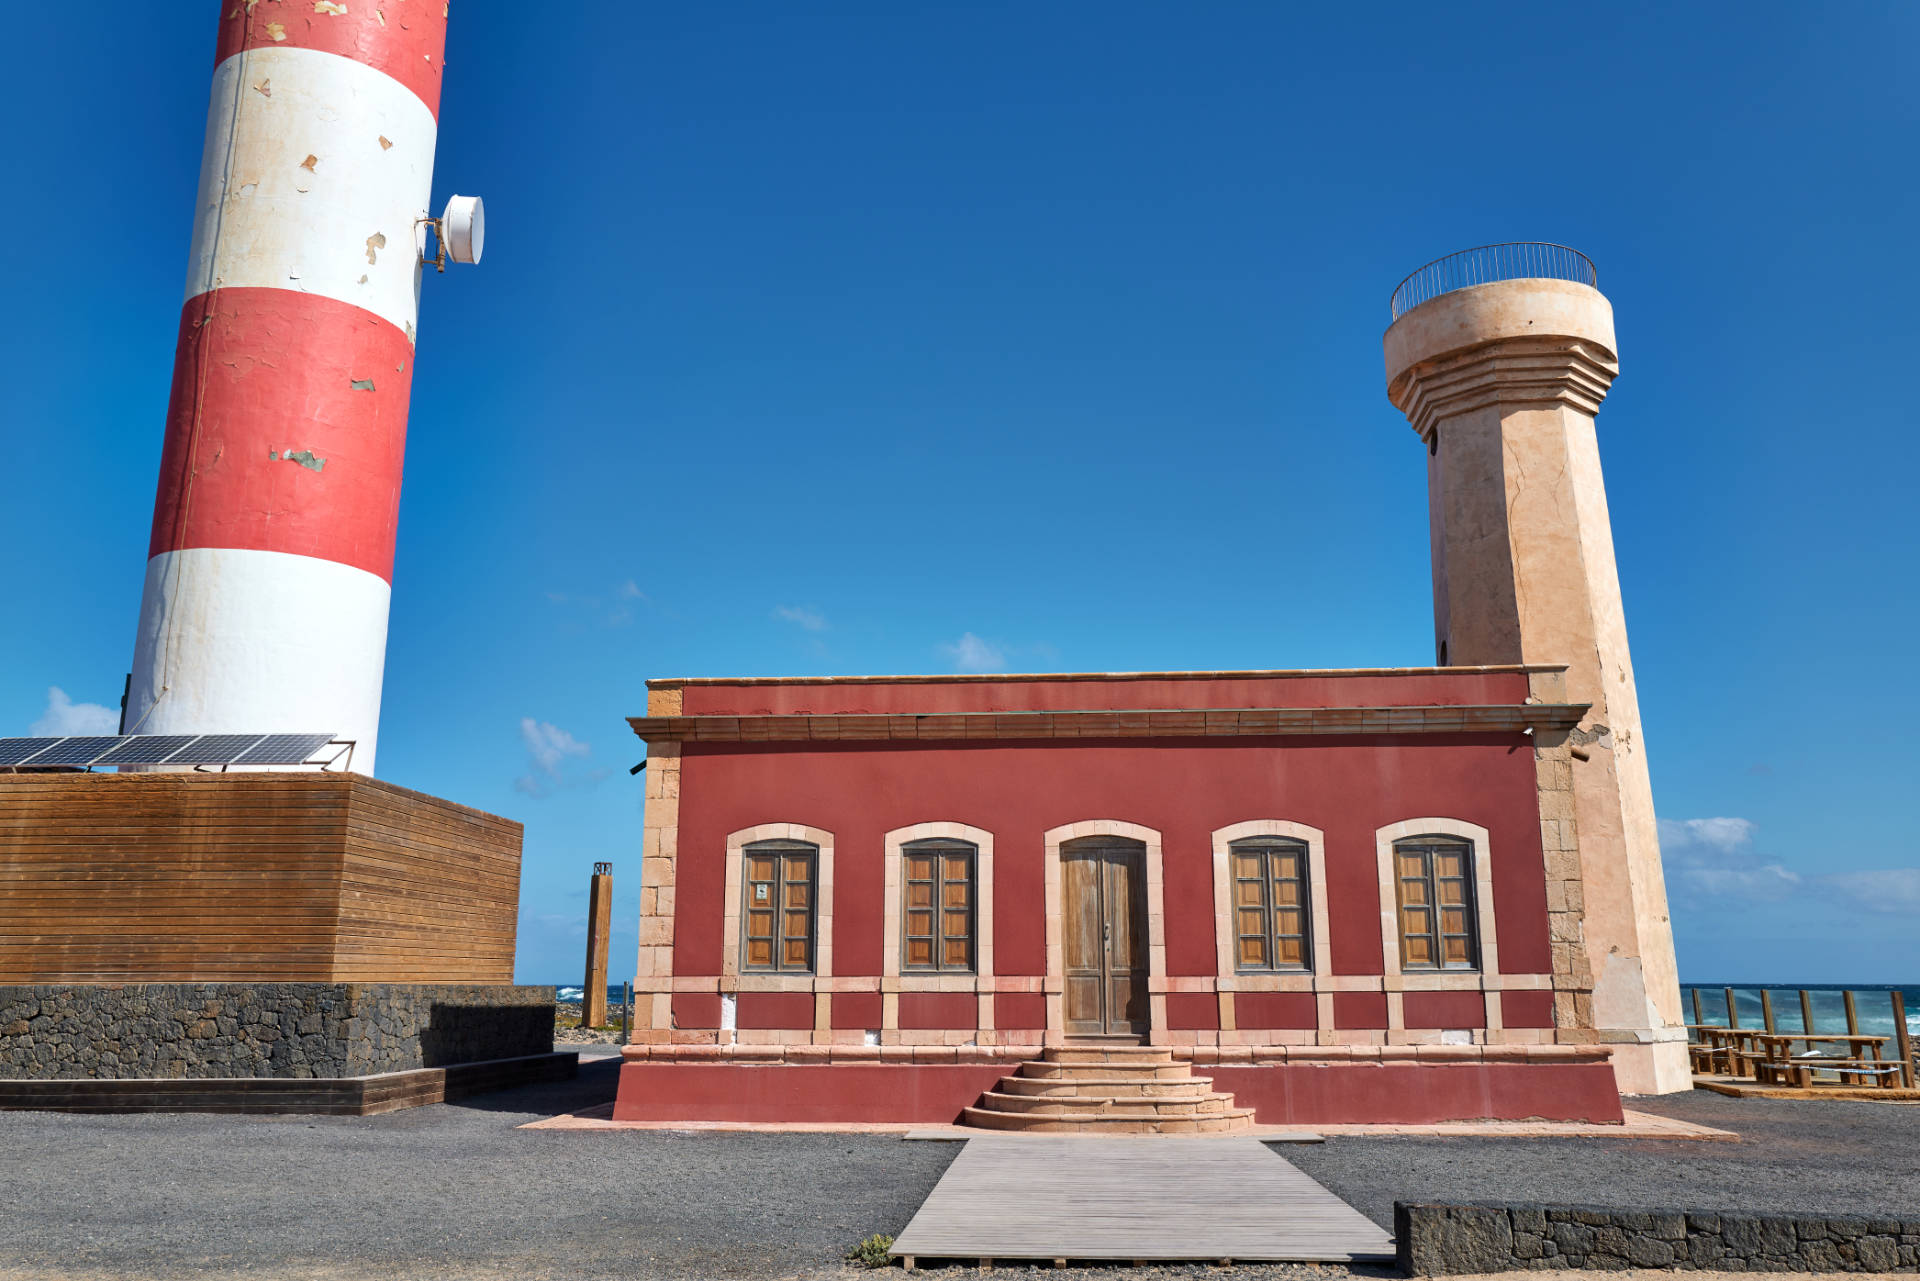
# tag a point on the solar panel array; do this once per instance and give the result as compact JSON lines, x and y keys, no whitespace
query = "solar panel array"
{"x":85,"y":751}
{"x":283,"y":749}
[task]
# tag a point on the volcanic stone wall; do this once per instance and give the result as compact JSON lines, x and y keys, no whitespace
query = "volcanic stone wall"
{"x":152,"y":1031}
{"x":1446,"y":1240}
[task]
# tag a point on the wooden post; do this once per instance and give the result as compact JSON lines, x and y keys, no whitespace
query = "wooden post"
{"x":593,"y":1001}
{"x":1853,"y":1015}
{"x":1902,"y":1040}
{"x":1733,"y":1011}
{"x":1766,"y":1008}
{"x":1806,"y":1011}
{"x":1699,"y":1018}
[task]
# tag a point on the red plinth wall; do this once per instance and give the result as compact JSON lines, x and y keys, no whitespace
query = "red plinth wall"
{"x":880,"y":1086}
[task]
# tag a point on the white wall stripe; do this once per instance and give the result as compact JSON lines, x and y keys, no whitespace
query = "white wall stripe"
{"x":316,"y":171}
{"x":237,"y":641}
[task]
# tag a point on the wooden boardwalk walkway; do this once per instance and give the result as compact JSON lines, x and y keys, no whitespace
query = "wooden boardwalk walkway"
{"x":1153,"y":1197}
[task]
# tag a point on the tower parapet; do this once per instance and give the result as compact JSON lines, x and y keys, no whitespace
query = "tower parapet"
{"x":1502,"y":379}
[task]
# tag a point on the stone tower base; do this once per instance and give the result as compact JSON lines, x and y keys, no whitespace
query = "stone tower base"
{"x":274,"y":1047}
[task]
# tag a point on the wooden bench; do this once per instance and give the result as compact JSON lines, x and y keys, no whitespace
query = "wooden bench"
{"x":1800,"y":1069}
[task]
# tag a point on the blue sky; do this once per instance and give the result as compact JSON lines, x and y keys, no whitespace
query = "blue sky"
{"x":883,"y":338}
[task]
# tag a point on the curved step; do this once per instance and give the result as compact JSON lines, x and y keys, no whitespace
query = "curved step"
{"x":1217,"y":1123}
{"x":1108,"y":1086}
{"x":1149,"y":1070}
{"x":1107,"y":1054}
{"x":1075,"y":1105}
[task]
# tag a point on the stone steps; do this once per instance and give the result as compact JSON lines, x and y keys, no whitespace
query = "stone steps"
{"x":1221,"y":1123}
{"x":1047,"y":1069}
{"x":1105,"y":1104}
{"x":1107,"y":1089}
{"x":1108,"y":1086}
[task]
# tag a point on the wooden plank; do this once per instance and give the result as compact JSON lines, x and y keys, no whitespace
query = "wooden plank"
{"x":1146,"y":1198}
{"x":1903,"y":1040}
{"x":250,"y":878}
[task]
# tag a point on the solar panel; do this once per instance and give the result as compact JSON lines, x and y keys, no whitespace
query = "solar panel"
{"x":15,"y":750}
{"x":145,"y":749}
{"x":74,"y":751}
{"x":158,"y":749}
{"x":284,"y":749}
{"x":214,"y":749}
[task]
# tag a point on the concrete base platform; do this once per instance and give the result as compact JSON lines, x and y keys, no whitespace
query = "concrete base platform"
{"x":325,"y":1096}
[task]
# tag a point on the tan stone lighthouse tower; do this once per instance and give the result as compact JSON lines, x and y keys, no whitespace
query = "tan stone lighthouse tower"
{"x":1500,"y":358}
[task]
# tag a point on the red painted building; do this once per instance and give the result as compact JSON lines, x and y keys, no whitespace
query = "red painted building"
{"x":1319,"y":882}
{"x":1398,"y":896}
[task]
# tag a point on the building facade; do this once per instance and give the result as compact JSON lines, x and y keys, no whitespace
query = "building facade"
{"x":1411,"y":894}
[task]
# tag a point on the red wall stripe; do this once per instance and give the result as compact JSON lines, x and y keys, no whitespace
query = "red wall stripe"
{"x":1444,"y":1009}
{"x":921,"y":1011}
{"x":1279,"y":1093}
{"x":856,"y":1011}
{"x":263,"y":373}
{"x":404,"y":38}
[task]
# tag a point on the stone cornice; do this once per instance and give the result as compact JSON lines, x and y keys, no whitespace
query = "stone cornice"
{"x":1169,"y":723}
{"x":1022,"y":678}
{"x":1542,"y":371}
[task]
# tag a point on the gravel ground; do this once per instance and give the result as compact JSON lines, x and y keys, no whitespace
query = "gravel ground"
{"x":1818,"y":1157}
{"x":456,"y":1191}
{"x":447,"y":1191}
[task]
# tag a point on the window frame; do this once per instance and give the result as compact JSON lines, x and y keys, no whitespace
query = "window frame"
{"x":1265,"y":847}
{"x":941,"y":847}
{"x":1428,"y":843}
{"x":782,"y":848}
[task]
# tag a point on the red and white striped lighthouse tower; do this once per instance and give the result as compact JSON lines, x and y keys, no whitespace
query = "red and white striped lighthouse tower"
{"x":271,"y":560}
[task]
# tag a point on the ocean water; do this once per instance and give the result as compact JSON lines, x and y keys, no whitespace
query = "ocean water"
{"x":1872,"y":1001}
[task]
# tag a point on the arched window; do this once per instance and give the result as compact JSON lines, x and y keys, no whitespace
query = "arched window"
{"x":1434,"y":883}
{"x":937,"y":883}
{"x":1272,"y":904}
{"x":778,"y":906}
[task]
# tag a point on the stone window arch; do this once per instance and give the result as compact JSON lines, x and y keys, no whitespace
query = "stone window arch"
{"x":1313,"y":845}
{"x":1053,"y":838}
{"x":778,"y":836}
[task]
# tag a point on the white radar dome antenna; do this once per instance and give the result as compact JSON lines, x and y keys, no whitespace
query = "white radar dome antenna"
{"x":464,"y":225}
{"x":461,"y":230}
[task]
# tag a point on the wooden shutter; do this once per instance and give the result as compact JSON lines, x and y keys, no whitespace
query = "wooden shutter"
{"x":1272,"y":905}
{"x":937,"y":909}
{"x":777,"y":916}
{"x":1435,"y":886}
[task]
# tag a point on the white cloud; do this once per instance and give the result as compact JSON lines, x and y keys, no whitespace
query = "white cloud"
{"x":608,"y":609}
{"x":1715,"y":833}
{"x":1893,"y":890}
{"x":811,"y":620}
{"x":971,"y":654}
{"x":548,"y":747}
{"x":1715,"y":858}
{"x":64,"y":716}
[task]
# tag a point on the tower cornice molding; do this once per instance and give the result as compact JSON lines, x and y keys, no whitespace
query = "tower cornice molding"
{"x":1541,"y":371}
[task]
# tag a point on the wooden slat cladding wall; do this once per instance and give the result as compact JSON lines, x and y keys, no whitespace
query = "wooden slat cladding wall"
{"x":270,"y":877}
{"x":430,"y":891}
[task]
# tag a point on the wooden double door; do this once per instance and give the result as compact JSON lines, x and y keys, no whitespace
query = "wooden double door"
{"x":1103,"y":883}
